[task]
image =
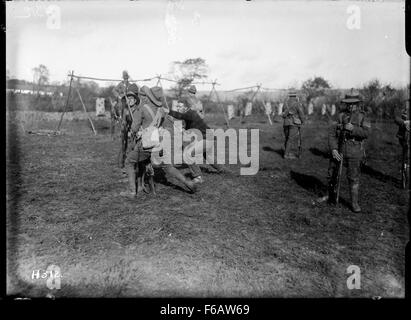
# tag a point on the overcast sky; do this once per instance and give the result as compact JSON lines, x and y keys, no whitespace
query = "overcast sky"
{"x":279,"y":44}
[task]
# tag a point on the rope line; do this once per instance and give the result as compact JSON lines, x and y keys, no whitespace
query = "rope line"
{"x":175,"y":81}
{"x":109,"y":80}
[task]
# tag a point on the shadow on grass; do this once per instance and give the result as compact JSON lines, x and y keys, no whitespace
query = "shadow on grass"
{"x":309,"y":183}
{"x":279,"y":151}
{"x":320,"y":153}
{"x":314,"y":185}
{"x":366,"y":169}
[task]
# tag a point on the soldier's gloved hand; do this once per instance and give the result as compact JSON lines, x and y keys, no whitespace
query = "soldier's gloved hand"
{"x":407,"y":125}
{"x":349,"y":126}
{"x":336,"y":155}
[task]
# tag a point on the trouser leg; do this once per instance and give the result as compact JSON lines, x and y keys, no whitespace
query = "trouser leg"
{"x":332,"y":180}
{"x":286,"y":142}
{"x":172,"y":171}
{"x":353,"y":176}
{"x":124,"y":144}
{"x":149,"y":173}
{"x":131,"y":165}
{"x":195,"y":170}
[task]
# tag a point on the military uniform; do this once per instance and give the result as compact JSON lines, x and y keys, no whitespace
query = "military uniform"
{"x":138,"y":159}
{"x":126,"y":122}
{"x":349,"y":143}
{"x":401,"y":118}
{"x":192,"y":102}
{"x":293,"y":116}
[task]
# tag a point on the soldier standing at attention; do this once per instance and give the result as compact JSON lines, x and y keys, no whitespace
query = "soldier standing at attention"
{"x":346,"y":143}
{"x":293,"y":119}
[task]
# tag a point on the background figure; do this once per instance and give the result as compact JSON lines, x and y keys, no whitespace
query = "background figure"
{"x":402,"y":119}
{"x":293,"y":119}
{"x":192,"y":101}
{"x":346,"y":143}
{"x":119,"y":92}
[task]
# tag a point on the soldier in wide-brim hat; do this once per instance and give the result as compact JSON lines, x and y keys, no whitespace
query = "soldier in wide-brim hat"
{"x":293,"y":116}
{"x":346,"y":143}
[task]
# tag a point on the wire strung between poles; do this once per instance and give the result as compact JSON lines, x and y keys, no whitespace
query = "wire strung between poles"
{"x":110,"y":80}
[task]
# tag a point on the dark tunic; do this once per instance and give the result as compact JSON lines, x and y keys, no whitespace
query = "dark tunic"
{"x":192,"y":119}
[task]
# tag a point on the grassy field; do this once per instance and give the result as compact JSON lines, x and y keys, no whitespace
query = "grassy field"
{"x":239,"y":236}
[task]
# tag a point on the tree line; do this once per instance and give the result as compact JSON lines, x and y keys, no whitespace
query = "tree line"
{"x":380,"y":100}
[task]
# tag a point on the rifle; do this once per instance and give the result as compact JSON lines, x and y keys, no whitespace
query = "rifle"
{"x":337,"y":192}
{"x":404,"y":166}
{"x":300,"y":141}
{"x":124,"y":132}
{"x":340,"y":166}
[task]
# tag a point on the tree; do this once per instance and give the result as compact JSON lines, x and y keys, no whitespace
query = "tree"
{"x":40,"y":76}
{"x":186,"y":72}
{"x":314,"y":87}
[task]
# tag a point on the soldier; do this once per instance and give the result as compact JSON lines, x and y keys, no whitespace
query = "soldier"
{"x":346,"y":143}
{"x":191,"y":100}
{"x":194,"y":121}
{"x":139,"y":159}
{"x":119,"y":92}
{"x":293,"y":119}
{"x":132,"y":154}
{"x":402,"y":119}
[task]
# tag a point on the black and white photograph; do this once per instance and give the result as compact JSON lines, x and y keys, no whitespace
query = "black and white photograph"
{"x":207,"y":149}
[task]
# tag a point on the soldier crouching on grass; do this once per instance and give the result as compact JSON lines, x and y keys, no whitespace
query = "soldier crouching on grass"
{"x":346,"y":143}
{"x":293,"y":119}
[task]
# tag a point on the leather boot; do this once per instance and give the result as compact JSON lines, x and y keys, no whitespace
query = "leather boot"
{"x":131,"y":174}
{"x":354,"y":187}
{"x":286,"y":154}
{"x":179,"y":176}
{"x":139,"y":184}
{"x":332,"y":196}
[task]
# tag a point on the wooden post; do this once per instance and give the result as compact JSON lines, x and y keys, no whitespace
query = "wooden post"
{"x":268,"y":115}
{"x":67,"y":101}
{"x":85,"y":110}
{"x":164,"y":93}
{"x":218,"y":101}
